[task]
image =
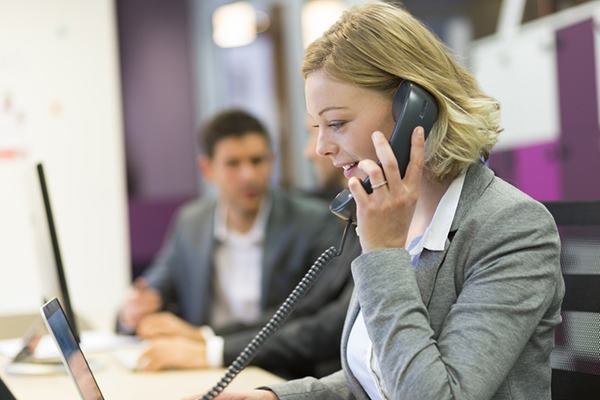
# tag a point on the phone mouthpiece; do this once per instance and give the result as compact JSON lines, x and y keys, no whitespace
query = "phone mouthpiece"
{"x":344,"y":206}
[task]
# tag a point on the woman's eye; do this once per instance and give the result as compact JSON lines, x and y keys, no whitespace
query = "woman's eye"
{"x":336,"y":125}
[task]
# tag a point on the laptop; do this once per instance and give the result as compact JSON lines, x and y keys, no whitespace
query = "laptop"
{"x":72,"y":357}
{"x":5,"y":393}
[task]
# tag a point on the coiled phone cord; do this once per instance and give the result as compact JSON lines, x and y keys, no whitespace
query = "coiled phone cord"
{"x":282,"y":313}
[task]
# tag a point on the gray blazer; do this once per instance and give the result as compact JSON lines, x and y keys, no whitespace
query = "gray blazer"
{"x":475,"y":321}
{"x":298,"y":230}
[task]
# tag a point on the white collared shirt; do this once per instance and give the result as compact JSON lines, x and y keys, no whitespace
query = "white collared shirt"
{"x":236,"y":279}
{"x":361,"y":356}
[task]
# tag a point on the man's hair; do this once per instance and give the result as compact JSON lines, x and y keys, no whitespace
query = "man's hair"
{"x":375,"y":46}
{"x":231,"y":123}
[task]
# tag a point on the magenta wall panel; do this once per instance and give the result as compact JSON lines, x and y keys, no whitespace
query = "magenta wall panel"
{"x":568,"y":169}
{"x":578,"y":111}
{"x":503,"y":165}
{"x":538,"y":171}
{"x":159,"y":119}
{"x":158,"y":109}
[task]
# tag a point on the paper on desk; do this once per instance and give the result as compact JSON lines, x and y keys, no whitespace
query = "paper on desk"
{"x":91,"y":341}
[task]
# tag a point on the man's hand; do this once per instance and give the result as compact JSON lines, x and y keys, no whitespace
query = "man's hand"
{"x":235,"y":395}
{"x":141,"y":300}
{"x":167,"y":324}
{"x":173,"y":352}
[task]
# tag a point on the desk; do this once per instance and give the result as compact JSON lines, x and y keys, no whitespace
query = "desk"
{"x":118,"y":383}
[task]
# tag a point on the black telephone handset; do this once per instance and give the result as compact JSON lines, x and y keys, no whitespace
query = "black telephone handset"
{"x":413,"y":106}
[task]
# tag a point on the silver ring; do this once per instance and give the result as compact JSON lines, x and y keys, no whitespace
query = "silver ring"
{"x":379,"y":185}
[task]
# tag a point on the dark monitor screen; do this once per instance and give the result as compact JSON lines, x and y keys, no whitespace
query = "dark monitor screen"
{"x":50,"y":264}
{"x":5,"y":393}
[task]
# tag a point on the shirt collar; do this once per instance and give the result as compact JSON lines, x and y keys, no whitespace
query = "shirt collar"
{"x":435,"y":235}
{"x":255,"y":234}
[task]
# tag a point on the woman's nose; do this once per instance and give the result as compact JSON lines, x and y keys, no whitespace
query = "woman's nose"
{"x":325,"y":146}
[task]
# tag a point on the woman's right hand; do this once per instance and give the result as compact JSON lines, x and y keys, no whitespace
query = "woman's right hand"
{"x":384,"y":217}
{"x":237,"y":395}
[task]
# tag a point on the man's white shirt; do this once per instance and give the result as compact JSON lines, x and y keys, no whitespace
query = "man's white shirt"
{"x":236,"y":279}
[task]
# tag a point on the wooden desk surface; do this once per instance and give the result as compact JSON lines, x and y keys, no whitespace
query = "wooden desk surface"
{"x":118,"y":383}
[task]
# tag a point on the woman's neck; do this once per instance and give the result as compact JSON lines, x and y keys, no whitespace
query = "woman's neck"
{"x":430,"y":194}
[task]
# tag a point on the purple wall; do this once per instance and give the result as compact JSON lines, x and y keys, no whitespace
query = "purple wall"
{"x":578,"y":111}
{"x":148,"y":223}
{"x":157,"y":98}
{"x":158,"y":118}
{"x":569,"y":168}
{"x":538,"y":171}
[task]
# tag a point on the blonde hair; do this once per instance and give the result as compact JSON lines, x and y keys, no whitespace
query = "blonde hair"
{"x":377,"y":45}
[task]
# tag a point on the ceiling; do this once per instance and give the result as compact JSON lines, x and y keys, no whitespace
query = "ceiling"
{"x":483,"y":14}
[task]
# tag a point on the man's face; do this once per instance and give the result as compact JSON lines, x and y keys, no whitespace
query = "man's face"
{"x":241,"y":169}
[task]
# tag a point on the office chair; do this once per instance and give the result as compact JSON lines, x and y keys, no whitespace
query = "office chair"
{"x":576,"y":358}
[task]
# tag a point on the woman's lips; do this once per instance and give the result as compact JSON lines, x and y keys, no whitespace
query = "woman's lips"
{"x":349,"y":169}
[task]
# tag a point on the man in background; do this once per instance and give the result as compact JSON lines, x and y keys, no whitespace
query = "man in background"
{"x":230,"y":260}
{"x":309,"y":345}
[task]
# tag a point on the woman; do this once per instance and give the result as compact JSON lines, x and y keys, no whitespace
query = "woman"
{"x":459,"y":287}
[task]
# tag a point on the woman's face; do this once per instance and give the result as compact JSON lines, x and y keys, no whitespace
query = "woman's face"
{"x":347,"y":116}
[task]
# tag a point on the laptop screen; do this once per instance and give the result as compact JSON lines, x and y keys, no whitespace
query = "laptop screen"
{"x":5,"y":393}
{"x":71,"y":353}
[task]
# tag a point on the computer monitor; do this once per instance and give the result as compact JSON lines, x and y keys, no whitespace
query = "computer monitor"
{"x":49,"y":260}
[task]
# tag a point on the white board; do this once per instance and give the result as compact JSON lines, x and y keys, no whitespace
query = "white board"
{"x":60,"y":104}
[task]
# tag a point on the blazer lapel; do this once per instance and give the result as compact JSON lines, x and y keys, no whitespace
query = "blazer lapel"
{"x":272,"y":246}
{"x":477,"y":179}
{"x":426,"y":270}
{"x":202,"y":275}
{"x":353,"y":310}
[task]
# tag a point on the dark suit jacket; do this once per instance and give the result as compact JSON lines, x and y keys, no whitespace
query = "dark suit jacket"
{"x":309,"y":343}
{"x":298,"y":231}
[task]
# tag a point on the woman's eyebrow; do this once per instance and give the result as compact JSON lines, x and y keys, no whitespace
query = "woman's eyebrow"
{"x":332,"y":108}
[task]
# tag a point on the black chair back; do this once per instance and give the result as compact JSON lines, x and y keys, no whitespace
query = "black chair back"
{"x":576,"y":357}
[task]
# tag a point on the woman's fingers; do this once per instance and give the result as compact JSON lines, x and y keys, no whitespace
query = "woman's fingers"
{"x":389,"y":172}
{"x":384,"y":216}
{"x":417,"y":157}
